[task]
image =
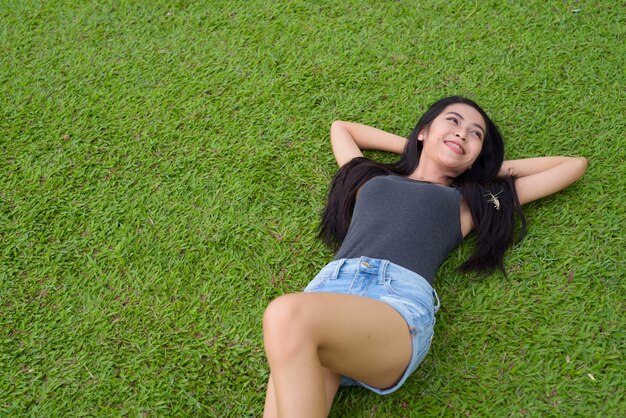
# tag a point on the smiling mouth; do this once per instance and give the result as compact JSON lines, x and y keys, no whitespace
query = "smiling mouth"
{"x":455,"y":147}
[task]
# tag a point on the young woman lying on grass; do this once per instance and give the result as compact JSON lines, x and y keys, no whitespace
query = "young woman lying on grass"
{"x":367,"y":318}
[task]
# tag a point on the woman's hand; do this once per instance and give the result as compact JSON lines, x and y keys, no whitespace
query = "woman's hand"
{"x":348,"y":139}
{"x":543,"y":176}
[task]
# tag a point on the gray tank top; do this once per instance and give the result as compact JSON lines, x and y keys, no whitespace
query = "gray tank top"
{"x":411,"y":223}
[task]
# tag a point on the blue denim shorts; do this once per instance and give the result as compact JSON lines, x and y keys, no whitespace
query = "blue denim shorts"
{"x":405,"y":291}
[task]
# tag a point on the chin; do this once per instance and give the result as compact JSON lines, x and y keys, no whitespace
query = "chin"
{"x":455,"y":167}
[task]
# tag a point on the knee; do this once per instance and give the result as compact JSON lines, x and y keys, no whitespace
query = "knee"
{"x":283,"y":316}
{"x":285,"y":326}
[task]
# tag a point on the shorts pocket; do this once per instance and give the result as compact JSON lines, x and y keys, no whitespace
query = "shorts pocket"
{"x":395,"y":287}
{"x":409,"y":290}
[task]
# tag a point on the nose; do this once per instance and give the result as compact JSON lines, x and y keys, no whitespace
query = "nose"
{"x":460,"y":135}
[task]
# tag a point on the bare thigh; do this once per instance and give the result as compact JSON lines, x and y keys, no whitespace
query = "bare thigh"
{"x":355,"y":336}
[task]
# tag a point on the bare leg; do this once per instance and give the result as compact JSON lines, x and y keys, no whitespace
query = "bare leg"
{"x":352,"y":335}
{"x":331,"y":384}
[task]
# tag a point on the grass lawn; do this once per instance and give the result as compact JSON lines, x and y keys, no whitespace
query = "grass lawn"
{"x":163,"y":165}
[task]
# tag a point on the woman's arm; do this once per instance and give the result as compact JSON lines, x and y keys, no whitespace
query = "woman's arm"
{"x":349,"y":138}
{"x":543,"y":176}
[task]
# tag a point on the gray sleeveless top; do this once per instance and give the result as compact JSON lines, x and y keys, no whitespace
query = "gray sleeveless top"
{"x":411,"y":223}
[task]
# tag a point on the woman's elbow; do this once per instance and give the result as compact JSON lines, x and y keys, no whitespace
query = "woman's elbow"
{"x":580,"y":164}
{"x":337,"y":123}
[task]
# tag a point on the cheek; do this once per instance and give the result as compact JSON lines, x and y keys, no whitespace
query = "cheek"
{"x":476,"y":152}
{"x":478,"y":145}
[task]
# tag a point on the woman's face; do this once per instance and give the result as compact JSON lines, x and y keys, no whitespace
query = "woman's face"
{"x":455,"y":138}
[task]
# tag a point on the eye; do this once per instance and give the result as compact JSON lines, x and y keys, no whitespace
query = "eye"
{"x":453,"y":119}
{"x":478,"y":134}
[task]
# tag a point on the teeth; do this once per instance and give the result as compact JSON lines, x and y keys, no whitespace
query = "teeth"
{"x":457,"y":146}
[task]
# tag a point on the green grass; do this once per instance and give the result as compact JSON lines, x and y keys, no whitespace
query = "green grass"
{"x":163,"y":165}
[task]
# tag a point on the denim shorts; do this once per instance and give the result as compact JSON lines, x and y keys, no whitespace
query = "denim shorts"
{"x":405,"y":291}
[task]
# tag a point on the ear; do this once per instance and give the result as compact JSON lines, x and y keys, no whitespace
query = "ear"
{"x":422,"y":135}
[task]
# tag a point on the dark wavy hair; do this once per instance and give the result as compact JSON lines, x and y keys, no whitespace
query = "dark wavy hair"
{"x":495,"y":228}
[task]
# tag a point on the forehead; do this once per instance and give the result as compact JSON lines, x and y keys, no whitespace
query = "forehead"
{"x":470,"y":114}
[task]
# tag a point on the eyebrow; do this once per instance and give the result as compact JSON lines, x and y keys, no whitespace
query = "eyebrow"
{"x":475,"y":124}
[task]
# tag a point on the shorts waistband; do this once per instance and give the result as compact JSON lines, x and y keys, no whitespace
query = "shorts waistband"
{"x":380,"y":267}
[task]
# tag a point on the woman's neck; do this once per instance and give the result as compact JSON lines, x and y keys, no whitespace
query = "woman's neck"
{"x":431,"y":173}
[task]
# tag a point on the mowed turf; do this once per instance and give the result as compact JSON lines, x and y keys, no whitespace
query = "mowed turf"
{"x":163,"y":165}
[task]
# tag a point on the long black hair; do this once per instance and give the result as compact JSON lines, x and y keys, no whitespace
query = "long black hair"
{"x":495,"y":219}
